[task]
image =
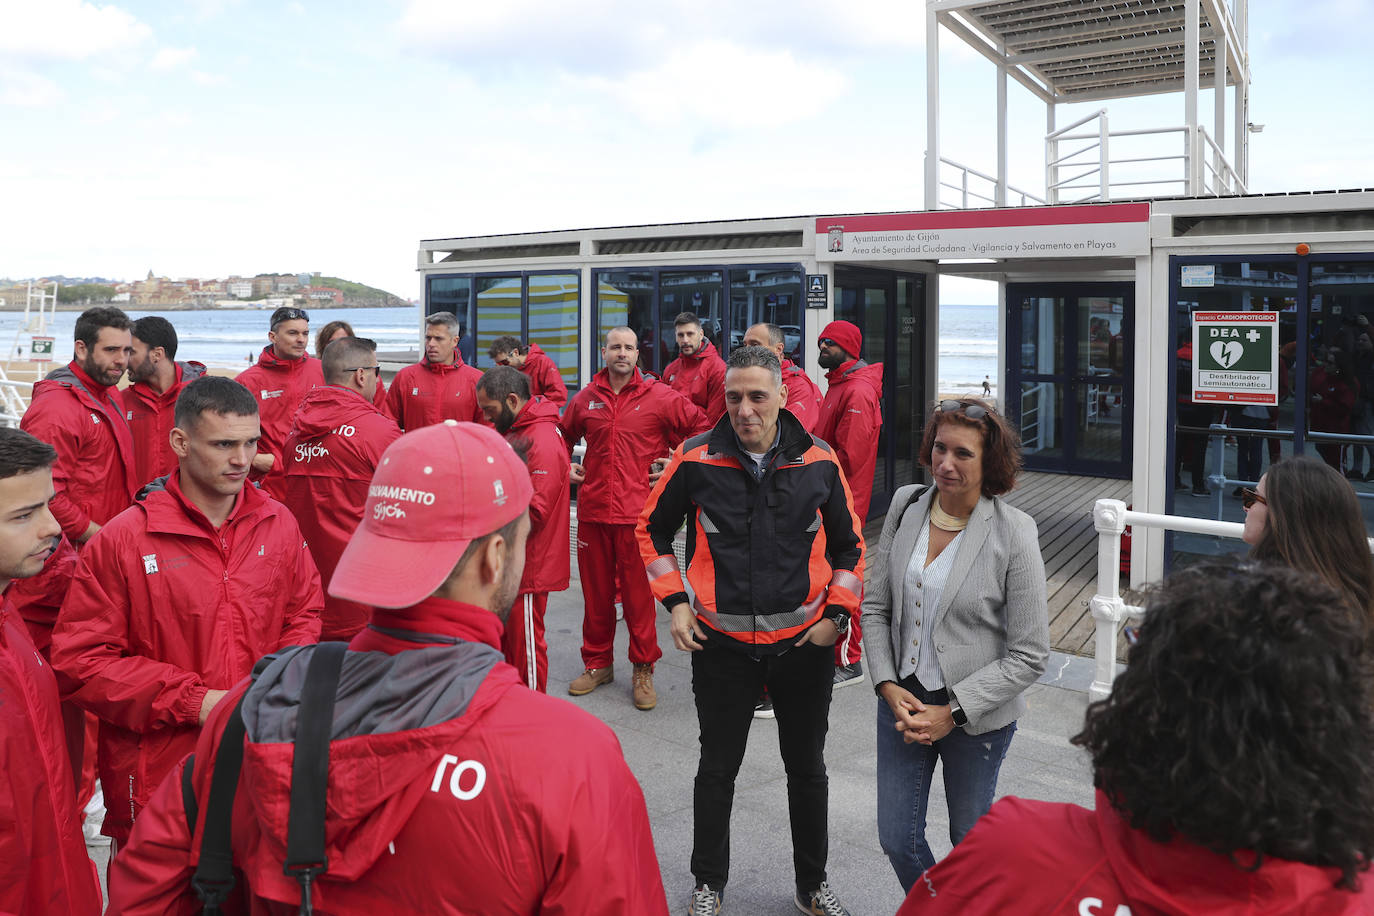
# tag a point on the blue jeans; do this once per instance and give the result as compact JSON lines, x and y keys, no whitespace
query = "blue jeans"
{"x":905,"y":772}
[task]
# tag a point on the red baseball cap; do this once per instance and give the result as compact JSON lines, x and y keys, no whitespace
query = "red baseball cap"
{"x":436,"y":490}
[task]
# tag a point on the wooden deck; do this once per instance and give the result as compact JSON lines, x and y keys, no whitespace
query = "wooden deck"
{"x":1062,"y":507}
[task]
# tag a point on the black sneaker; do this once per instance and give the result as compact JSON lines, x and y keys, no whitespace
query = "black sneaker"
{"x":764,"y":709}
{"x":704,"y":902}
{"x":820,"y":902}
{"x":849,"y":674}
{"x":1202,"y":493}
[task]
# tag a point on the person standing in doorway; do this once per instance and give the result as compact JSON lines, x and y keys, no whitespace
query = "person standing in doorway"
{"x":851,"y":419}
{"x":698,"y":373}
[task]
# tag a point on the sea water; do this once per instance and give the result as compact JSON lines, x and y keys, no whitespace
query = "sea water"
{"x":230,"y":338}
{"x":234,"y":338}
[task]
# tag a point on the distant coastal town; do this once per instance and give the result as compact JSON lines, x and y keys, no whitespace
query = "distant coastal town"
{"x":154,"y":293}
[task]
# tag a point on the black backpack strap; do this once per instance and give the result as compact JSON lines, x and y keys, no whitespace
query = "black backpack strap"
{"x":916,"y":495}
{"x":188,"y":794}
{"x":214,"y":877}
{"x":305,"y":837}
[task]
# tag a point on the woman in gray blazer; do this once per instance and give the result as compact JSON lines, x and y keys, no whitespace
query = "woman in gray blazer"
{"x":955,"y":629}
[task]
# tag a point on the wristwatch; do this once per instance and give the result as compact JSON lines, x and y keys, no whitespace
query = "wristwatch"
{"x":957,"y":713}
{"x":840,"y":618}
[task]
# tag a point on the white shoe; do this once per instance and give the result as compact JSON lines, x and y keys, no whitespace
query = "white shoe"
{"x":95,"y":818}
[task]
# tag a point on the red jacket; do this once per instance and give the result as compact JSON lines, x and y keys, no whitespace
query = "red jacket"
{"x":39,"y":599}
{"x":94,"y":475}
{"x":150,"y":416}
{"x":803,"y":395}
{"x":334,"y":445}
{"x":545,"y":379}
{"x":163,"y":608}
{"x":448,"y":804}
{"x":428,"y":393}
{"x":625,"y":432}
{"x":701,"y":378}
{"x":851,"y":418}
{"x":1044,"y":858}
{"x":44,"y":868}
{"x":279,"y":385}
{"x":548,"y":548}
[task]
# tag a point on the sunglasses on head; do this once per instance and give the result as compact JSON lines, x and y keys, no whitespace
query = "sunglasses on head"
{"x":972,"y":411}
{"x":1249,"y":497}
{"x":283,"y":315}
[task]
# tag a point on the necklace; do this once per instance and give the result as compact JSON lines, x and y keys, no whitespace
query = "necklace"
{"x":944,"y":521}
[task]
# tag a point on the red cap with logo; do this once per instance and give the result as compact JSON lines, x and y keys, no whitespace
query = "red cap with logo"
{"x":436,"y":490}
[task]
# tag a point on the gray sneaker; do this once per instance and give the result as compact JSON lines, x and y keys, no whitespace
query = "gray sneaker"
{"x":820,"y":902}
{"x":705,"y":902}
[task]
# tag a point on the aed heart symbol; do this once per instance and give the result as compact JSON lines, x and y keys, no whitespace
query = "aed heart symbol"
{"x":1227,"y":354}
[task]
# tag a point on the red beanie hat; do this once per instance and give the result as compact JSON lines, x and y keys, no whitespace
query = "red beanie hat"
{"x":847,"y":335}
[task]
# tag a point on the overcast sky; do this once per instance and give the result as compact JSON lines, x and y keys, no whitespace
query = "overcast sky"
{"x":211,"y":137}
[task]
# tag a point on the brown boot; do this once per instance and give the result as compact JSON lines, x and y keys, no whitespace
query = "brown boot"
{"x":591,"y":679}
{"x":643,"y":687}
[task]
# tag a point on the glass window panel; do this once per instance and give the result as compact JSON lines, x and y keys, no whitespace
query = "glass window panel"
{"x":554,"y":311}
{"x":498,"y":314}
{"x":454,"y":294}
{"x":696,"y":291}
{"x":1340,"y":381}
{"x":1042,"y":405}
{"x":624,"y":298}
{"x":1042,"y":336}
{"x":1101,"y":344}
{"x":771,"y":296}
{"x":1101,"y":415}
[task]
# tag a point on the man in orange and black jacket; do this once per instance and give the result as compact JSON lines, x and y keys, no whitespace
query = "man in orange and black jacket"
{"x":775,"y":558}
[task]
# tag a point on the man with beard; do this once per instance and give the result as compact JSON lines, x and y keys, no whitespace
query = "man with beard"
{"x":43,"y":863}
{"x":851,"y":418}
{"x":76,"y":410}
{"x":285,"y":371}
{"x":442,"y":794}
{"x":336,"y":440}
{"x":698,"y":373}
{"x":530,"y":425}
{"x":439,"y":387}
{"x":629,"y":421}
{"x":155,"y":381}
{"x":803,"y":396}
{"x":545,"y":379}
{"x":177,"y":597}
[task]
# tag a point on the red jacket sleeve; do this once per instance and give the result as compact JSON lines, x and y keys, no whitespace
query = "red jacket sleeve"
{"x":395,"y":400}
{"x":52,"y":425}
{"x":152,"y":874}
{"x":856,"y":432}
{"x":570,"y":424}
{"x":549,"y":482}
{"x":607,"y":822}
{"x":301,"y":618}
{"x":551,"y":384}
{"x":90,"y":652}
{"x":683,"y":419}
{"x":715,"y":391}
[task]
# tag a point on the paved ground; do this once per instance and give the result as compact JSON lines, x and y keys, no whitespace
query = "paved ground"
{"x":661,"y":747}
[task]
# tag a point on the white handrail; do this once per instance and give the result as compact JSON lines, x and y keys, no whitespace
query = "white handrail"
{"x":1111,"y":518}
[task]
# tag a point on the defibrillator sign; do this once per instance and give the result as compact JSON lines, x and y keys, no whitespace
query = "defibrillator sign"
{"x":1236,"y":357}
{"x":41,"y":350}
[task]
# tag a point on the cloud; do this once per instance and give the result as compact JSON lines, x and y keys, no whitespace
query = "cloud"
{"x":720,"y":83}
{"x":66,"y":30}
{"x":171,"y":58}
{"x":26,"y":89}
{"x":611,"y":37}
{"x":202,"y":78}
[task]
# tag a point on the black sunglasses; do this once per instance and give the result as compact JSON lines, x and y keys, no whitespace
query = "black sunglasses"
{"x":288,"y":314}
{"x":972,"y":411}
{"x":1249,"y":497}
{"x":827,"y":342}
{"x":376,"y":369}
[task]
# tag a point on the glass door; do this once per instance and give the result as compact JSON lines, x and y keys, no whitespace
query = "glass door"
{"x":889,"y":308}
{"x":1069,"y":377}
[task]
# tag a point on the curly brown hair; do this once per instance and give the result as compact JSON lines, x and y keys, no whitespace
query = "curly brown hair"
{"x":1244,"y":721}
{"x":1001,"y":443}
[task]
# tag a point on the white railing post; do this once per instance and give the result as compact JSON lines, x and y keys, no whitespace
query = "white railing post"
{"x":1102,"y":135}
{"x":1108,"y":610}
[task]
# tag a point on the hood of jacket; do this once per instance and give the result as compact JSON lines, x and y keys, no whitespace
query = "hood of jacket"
{"x":268,"y":359}
{"x":67,"y":377}
{"x":856,"y":370}
{"x":1167,"y":877}
{"x":441,"y":368}
{"x":326,"y":408}
{"x":707,"y":350}
{"x":393,"y":717}
{"x":537,"y":409}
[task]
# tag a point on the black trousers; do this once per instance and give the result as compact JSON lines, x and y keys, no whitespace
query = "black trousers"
{"x":727,"y":685}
